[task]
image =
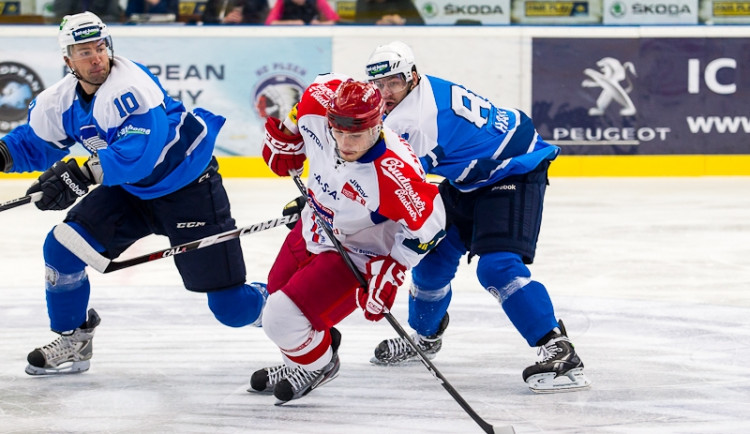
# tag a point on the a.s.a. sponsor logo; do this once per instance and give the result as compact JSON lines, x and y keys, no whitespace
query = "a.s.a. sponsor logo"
{"x":19,"y":85}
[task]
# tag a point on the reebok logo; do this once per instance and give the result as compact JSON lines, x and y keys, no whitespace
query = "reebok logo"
{"x":72,"y":185}
{"x":510,"y":187}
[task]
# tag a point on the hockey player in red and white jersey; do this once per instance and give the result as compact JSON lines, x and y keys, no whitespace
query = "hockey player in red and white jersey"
{"x":369,"y":187}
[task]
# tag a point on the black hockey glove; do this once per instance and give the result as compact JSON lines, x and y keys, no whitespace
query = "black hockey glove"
{"x":294,"y":207}
{"x":60,"y":185}
{"x":6,"y":160}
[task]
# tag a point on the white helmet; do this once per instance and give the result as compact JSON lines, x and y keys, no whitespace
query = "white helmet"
{"x":390,"y":59}
{"x":81,"y":28}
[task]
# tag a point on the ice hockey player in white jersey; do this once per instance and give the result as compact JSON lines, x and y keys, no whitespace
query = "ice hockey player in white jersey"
{"x":154,"y":166}
{"x":495,"y":169}
{"x":368,"y":185}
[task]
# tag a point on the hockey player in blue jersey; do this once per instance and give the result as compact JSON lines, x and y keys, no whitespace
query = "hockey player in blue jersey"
{"x":156,"y":174}
{"x":495,"y":169}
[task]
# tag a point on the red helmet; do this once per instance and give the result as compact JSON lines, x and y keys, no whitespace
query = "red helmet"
{"x":356,"y":106}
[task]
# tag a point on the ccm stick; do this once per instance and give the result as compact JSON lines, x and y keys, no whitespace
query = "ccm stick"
{"x":71,"y":239}
{"x":486,"y":426}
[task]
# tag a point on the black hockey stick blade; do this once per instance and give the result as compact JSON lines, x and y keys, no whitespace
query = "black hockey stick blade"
{"x":76,"y":244}
{"x":33,"y":197}
{"x":486,"y":426}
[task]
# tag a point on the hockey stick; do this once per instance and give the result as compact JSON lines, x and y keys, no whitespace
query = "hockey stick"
{"x":33,"y":197}
{"x":486,"y":426}
{"x":71,"y":239}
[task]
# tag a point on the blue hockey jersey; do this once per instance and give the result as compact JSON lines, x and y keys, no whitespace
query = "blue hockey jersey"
{"x":464,"y":137}
{"x":147,"y":142}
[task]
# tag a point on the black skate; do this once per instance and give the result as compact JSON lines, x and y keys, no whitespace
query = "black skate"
{"x":300,"y":381}
{"x":68,"y":354}
{"x":560,"y":370}
{"x":264,"y":380}
{"x":396,"y":351}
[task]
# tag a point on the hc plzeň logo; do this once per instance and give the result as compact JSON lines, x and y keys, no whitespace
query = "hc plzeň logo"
{"x":276,"y":95}
{"x":611,"y":73}
{"x":19,"y":85}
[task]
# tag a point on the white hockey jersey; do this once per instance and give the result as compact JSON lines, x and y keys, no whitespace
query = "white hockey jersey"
{"x":378,"y":205}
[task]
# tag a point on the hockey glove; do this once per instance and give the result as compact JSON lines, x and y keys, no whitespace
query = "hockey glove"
{"x":294,"y":207}
{"x":384,"y":275}
{"x":281,"y":151}
{"x":6,"y":160}
{"x":61,"y":185}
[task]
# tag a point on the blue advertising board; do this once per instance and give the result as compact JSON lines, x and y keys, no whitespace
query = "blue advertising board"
{"x":643,"y":96}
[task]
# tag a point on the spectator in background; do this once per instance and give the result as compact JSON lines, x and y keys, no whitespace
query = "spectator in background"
{"x":152,"y":7}
{"x":108,"y":10}
{"x":302,"y":12}
{"x":236,"y":12}
{"x":387,"y":12}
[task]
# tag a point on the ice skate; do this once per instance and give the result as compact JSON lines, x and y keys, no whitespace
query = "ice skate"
{"x":299,"y":382}
{"x":68,"y":354}
{"x":560,"y":370}
{"x":264,"y":380}
{"x":398,"y":350}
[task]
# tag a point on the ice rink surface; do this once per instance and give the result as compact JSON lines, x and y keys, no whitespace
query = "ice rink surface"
{"x":650,"y":275}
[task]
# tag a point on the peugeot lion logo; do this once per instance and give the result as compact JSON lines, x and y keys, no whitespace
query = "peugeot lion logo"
{"x":611,"y":74}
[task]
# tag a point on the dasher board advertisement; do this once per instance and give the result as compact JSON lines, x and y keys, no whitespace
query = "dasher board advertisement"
{"x":647,"y":96}
{"x":662,"y":12}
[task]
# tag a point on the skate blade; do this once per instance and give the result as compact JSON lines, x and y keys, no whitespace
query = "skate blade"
{"x":409,"y":361}
{"x":313,"y":387}
{"x":572,"y":381}
{"x":73,"y":368}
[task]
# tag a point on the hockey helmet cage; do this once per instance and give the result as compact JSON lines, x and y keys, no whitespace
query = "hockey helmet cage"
{"x":390,"y":59}
{"x":356,"y":106}
{"x":82,"y":28}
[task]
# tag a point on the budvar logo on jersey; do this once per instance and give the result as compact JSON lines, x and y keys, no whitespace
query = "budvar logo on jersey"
{"x":409,"y":198}
{"x":86,"y":33}
{"x":19,"y":85}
